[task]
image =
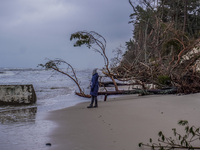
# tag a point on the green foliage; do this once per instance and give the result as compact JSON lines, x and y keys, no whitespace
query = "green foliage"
{"x":169,"y":44}
{"x":179,"y":141}
{"x":56,"y":64}
{"x":92,"y":40}
{"x":164,"y":79}
{"x":177,"y":10}
{"x":49,"y":64}
{"x":82,"y":39}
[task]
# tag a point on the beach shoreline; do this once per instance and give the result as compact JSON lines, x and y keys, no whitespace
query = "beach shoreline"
{"x":121,"y":123}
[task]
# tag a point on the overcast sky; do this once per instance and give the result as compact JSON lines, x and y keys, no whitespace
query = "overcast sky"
{"x":32,"y":30}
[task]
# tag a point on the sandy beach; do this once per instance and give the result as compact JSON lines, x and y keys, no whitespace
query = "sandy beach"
{"x":121,"y":123}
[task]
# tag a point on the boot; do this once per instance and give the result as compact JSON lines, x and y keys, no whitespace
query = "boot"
{"x":96,"y":103}
{"x":92,"y":101}
{"x":90,"y":106}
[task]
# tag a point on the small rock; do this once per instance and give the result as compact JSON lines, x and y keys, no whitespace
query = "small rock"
{"x":48,"y":144}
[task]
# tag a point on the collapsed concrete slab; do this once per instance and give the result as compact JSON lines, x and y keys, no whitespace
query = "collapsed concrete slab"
{"x":17,"y":94}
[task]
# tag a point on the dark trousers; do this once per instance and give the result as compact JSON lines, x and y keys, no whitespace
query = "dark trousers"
{"x":94,"y":99}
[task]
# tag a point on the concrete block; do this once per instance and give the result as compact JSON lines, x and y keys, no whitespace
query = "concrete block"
{"x":17,"y":94}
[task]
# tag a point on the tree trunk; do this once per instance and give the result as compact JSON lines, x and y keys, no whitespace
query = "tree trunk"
{"x":69,"y":77}
{"x":185,"y":15}
{"x":145,"y":43}
{"x":115,"y":84}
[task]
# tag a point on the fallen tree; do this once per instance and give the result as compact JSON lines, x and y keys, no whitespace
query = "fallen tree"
{"x":171,"y":90}
{"x":110,"y":84}
{"x":69,"y":71}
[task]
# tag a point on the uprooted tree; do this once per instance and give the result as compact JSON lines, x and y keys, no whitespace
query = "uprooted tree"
{"x":69,"y":71}
{"x":165,"y":48}
{"x":96,"y":42}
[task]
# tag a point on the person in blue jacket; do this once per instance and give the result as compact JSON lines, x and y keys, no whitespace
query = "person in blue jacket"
{"x":94,"y":89}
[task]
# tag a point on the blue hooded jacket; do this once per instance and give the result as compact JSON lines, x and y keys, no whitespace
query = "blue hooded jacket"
{"x":94,"y":85}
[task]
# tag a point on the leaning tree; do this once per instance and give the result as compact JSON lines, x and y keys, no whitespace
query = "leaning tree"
{"x":68,"y":71}
{"x":96,"y":42}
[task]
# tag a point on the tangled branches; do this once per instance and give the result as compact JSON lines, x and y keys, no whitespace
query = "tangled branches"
{"x":182,"y":70}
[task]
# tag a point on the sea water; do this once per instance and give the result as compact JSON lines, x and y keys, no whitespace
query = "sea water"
{"x":25,"y":127}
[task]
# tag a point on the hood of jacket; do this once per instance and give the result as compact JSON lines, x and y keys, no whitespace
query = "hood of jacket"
{"x":94,"y":71}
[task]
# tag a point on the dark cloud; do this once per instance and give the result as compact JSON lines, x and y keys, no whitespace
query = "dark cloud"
{"x":31,"y":30}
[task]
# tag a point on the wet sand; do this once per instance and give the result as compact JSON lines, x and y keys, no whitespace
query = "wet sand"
{"x":121,"y":123}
